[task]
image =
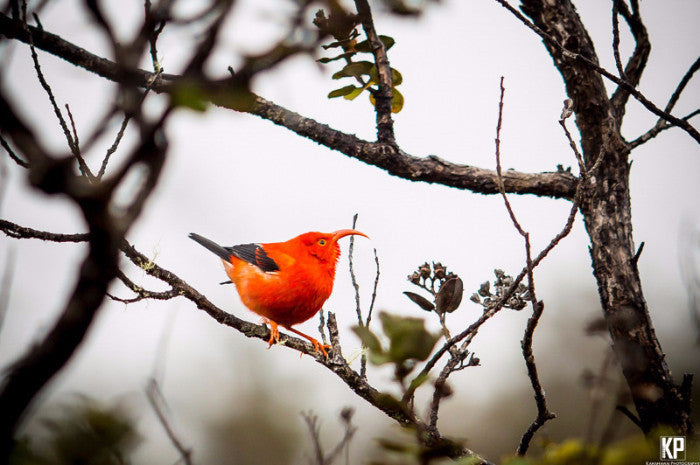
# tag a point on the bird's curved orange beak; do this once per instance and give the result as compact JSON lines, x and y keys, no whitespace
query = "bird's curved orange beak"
{"x":346,"y":232}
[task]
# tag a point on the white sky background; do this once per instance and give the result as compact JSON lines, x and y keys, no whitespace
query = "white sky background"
{"x":236,"y":178}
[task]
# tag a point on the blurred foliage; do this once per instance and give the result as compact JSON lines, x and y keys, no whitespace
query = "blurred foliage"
{"x":255,"y":427}
{"x":83,"y":432}
{"x":637,"y":449}
{"x":632,"y":450}
{"x":409,"y":342}
{"x":343,"y":28}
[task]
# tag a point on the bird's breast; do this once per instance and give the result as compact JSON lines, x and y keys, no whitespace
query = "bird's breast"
{"x":288,"y":296}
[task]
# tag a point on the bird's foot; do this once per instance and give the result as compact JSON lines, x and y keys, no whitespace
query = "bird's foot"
{"x":317,"y":345}
{"x":274,"y":333}
{"x":322,"y":347}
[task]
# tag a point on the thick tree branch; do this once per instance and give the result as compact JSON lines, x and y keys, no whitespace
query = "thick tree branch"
{"x":391,"y":159}
{"x":606,"y":208}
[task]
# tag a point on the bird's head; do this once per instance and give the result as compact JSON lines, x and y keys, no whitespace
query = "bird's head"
{"x":324,"y":246}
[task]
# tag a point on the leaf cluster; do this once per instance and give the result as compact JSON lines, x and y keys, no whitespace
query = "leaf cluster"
{"x":408,"y":339}
{"x":83,"y":432}
{"x":445,"y":287}
{"x":343,"y":28}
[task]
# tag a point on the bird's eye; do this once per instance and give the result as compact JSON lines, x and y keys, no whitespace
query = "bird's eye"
{"x":321,"y":242}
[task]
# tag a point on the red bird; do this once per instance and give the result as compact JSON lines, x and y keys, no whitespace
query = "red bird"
{"x":286,"y":283}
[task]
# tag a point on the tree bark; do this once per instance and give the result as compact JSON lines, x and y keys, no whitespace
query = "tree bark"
{"x":607,"y":213}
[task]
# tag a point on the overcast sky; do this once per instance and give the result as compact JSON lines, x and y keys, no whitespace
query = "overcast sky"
{"x":236,"y":178}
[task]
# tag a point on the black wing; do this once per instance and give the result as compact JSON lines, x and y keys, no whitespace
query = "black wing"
{"x":255,"y":254}
{"x":251,"y":253}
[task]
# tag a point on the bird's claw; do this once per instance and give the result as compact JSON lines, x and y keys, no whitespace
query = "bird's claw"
{"x":322,"y":347}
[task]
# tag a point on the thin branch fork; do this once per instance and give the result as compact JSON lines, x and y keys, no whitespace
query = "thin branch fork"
{"x":632,"y":72}
{"x":543,"y":413}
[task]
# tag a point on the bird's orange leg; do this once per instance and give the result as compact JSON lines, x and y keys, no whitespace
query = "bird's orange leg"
{"x":317,"y":345}
{"x":274,"y":333}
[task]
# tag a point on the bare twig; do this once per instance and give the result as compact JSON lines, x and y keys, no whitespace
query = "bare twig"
{"x":160,"y":407}
{"x":311,"y":420}
{"x":113,"y":147}
{"x":662,"y":125}
{"x":658,"y":129}
{"x":314,"y":428}
{"x":141,"y":293}
{"x":562,"y":121}
{"x":72,"y":143}
{"x":353,"y":278}
{"x":597,"y":394}
{"x":120,"y":133}
{"x":356,"y":287}
{"x":156,"y":397}
{"x":374,"y":290}
{"x":616,"y":39}
{"x":153,"y":39}
{"x":682,"y":85}
{"x":76,"y":140}
{"x":543,"y":413}
{"x":632,"y":73}
{"x":20,"y":232}
{"x":12,"y":153}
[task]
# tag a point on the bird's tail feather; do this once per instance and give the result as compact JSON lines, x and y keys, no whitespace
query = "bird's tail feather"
{"x":211,"y":246}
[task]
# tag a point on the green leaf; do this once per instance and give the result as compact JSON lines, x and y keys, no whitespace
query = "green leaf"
{"x":368,"y":338}
{"x":331,"y":45}
{"x":421,"y":301}
{"x":365,"y":47}
{"x":352,"y":95}
{"x":342,"y":92}
{"x":339,"y":57}
{"x":396,"y":77}
{"x":387,"y":41}
{"x":396,"y":101}
{"x":408,"y":338}
{"x":417,"y":381}
{"x":191,"y":96}
{"x":357,"y":68}
{"x":450,"y":295}
{"x":377,"y":355}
